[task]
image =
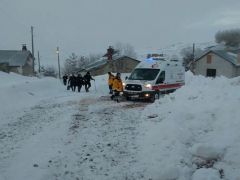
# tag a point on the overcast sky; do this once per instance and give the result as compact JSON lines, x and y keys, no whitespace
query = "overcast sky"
{"x":90,"y":26}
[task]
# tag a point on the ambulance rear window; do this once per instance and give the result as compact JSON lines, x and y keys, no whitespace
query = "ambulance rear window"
{"x":144,"y":74}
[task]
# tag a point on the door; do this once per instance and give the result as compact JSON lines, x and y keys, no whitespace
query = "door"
{"x":161,"y":78}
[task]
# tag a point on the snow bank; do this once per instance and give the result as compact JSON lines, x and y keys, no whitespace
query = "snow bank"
{"x":207,"y":151}
{"x":206,"y":174}
{"x":195,"y":127}
{"x":19,"y":92}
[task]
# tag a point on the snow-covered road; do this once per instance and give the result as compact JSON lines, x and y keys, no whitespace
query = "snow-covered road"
{"x":49,"y":133}
{"x":68,"y":138}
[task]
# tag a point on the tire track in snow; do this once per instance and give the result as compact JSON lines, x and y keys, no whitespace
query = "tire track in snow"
{"x":100,"y":143}
{"x":14,"y":134}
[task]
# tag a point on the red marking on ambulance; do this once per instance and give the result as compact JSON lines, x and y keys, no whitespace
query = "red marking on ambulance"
{"x":167,"y":86}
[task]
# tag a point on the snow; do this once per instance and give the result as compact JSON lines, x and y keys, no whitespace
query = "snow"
{"x":207,"y":174}
{"x":47,"y":132}
{"x":173,"y":51}
{"x":207,"y":151}
{"x":198,"y":122}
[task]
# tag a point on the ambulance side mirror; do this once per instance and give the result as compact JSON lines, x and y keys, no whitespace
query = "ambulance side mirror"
{"x":126,"y":77}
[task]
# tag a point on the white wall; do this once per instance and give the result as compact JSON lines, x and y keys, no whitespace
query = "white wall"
{"x":223,"y":67}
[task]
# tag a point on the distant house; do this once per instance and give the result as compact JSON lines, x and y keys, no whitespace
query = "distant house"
{"x":217,"y":63}
{"x":20,"y":62}
{"x":123,"y":64}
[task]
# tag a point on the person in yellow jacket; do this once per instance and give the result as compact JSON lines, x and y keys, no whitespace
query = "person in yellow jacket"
{"x":117,"y":86}
{"x":110,"y":82}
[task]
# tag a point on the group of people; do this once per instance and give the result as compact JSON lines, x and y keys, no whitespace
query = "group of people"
{"x":115,"y":84}
{"x":72,"y":81}
{"x":77,"y":81}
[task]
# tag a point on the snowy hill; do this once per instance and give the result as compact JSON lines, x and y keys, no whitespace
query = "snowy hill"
{"x":48,"y":132}
{"x":171,"y":50}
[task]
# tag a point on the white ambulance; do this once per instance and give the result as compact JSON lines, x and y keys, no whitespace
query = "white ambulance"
{"x":154,"y":76}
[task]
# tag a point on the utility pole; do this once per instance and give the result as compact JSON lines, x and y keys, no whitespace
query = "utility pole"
{"x":192,"y":66}
{"x":193,"y":51}
{"x":59,"y":74}
{"x":32,"y":47}
{"x":39,"y":67}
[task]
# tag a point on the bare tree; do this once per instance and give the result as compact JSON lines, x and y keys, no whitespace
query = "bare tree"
{"x":82,"y":62}
{"x":228,"y":37}
{"x":49,"y":71}
{"x":76,"y":63}
{"x":70,"y":64}
{"x":188,"y":56}
{"x":125,"y":49}
{"x":94,"y":57}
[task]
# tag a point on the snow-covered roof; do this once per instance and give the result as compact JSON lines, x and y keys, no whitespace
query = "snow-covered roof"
{"x":227,"y":55}
{"x":237,"y":51}
{"x":104,"y":60}
{"x":97,"y":63}
{"x":13,"y":57}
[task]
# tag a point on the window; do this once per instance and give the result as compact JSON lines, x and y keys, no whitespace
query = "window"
{"x":144,"y":74}
{"x":209,"y":59}
{"x":161,"y":78}
{"x":211,"y":72}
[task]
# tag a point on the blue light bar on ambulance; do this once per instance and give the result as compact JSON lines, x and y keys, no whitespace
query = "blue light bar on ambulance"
{"x":150,"y":60}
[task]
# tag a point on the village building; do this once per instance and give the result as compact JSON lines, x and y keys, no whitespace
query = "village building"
{"x":17,"y":61}
{"x":214,"y":63}
{"x":123,"y":64}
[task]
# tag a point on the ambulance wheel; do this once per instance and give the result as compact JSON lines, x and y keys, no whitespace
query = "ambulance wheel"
{"x":152,"y":98}
{"x":128,"y":98}
{"x":157,"y":95}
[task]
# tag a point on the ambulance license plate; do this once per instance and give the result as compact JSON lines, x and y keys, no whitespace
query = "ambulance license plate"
{"x":135,"y":96}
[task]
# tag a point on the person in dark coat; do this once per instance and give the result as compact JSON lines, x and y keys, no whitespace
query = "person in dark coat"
{"x":110,"y":82}
{"x":79,"y":82}
{"x":72,"y":82}
{"x":87,"y":79}
{"x":65,"y":78}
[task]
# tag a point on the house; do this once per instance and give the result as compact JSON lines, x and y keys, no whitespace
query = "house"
{"x":17,"y":61}
{"x":123,"y":64}
{"x":217,"y":63}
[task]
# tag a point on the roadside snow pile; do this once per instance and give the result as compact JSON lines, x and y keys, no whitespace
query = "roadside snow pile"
{"x":18,"y":92}
{"x":206,"y":174}
{"x":194,"y":132}
{"x":207,"y":152}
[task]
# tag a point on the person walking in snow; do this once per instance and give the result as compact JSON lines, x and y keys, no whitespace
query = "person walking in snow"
{"x":72,"y":82}
{"x":65,"y":78}
{"x":110,"y":82}
{"x":117,"y":86}
{"x":79,"y":82}
{"x":87,"y":78}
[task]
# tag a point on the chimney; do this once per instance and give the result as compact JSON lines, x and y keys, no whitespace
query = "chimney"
{"x":24,"y":47}
{"x":110,"y":52}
